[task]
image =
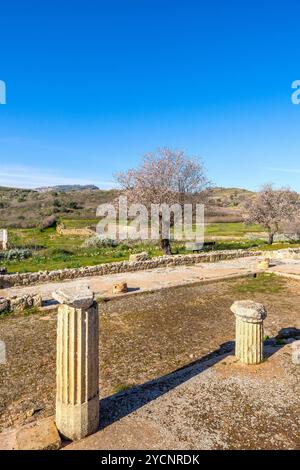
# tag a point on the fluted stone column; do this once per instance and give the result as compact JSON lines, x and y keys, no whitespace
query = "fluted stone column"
{"x":249,"y":331}
{"x":77,"y":375}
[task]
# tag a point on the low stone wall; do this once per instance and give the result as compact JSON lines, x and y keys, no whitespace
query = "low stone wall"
{"x":80,"y":232}
{"x":288,"y":253}
{"x":11,"y":280}
{"x":19,"y":303}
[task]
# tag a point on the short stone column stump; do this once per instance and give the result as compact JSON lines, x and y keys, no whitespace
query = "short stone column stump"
{"x":120,"y":288}
{"x":249,"y":331}
{"x":296,"y":352}
{"x":77,"y":397}
{"x":264,"y":263}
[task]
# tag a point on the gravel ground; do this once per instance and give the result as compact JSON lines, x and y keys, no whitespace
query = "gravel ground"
{"x":141,"y":338}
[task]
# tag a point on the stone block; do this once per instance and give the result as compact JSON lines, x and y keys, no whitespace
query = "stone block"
{"x":77,"y":298}
{"x":143,"y":256}
{"x":264,"y":264}
{"x":39,"y":435}
{"x":4,"y":304}
{"x":18,"y":304}
{"x":120,"y":288}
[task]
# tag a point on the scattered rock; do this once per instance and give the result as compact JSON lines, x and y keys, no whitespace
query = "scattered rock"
{"x":120,"y":288}
{"x":39,"y":435}
{"x":18,"y":304}
{"x":37,"y":300}
{"x":143,"y":256}
{"x":33,"y":411}
{"x":4,"y":304}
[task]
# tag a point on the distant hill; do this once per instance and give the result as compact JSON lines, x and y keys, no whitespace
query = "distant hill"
{"x":67,"y":187}
{"x":24,"y":208}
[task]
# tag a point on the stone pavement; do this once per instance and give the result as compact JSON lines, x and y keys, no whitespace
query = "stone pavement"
{"x":159,"y":278}
{"x":286,"y":267}
{"x":148,"y":280}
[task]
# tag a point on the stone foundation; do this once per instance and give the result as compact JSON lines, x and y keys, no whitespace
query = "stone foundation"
{"x":26,"y":279}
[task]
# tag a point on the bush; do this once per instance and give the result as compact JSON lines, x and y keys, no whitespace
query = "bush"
{"x":96,"y":242}
{"x":15,"y":254}
{"x":57,"y":251}
{"x":73,"y":205}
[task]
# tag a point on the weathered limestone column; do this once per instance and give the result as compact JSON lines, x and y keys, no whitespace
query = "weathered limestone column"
{"x":249,"y":331}
{"x":77,"y":374}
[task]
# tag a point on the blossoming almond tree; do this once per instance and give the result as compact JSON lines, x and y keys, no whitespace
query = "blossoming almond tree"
{"x":273,"y":209}
{"x":164,"y":177}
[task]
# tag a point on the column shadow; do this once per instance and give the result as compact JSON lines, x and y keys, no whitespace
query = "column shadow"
{"x":119,"y":405}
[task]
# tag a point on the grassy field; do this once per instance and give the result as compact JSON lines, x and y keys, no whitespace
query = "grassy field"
{"x":53,"y":251}
{"x":236,"y":229}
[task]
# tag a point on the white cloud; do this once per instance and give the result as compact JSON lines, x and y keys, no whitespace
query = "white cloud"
{"x":285,"y":170}
{"x":29,"y":177}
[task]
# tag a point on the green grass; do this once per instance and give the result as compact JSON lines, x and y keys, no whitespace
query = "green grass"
{"x":263,"y":284}
{"x":24,"y":313}
{"x":52,"y":251}
{"x":279,"y":246}
{"x":234,"y":229}
{"x":123,"y":388}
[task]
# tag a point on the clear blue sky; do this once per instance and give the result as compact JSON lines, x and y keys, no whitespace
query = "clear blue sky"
{"x":92,"y":85}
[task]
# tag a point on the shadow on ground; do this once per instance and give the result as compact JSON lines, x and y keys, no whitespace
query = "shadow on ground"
{"x":119,"y":405}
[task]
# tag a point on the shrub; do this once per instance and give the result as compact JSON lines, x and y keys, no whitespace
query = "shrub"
{"x":96,"y":242}
{"x":57,"y":251}
{"x":73,"y":205}
{"x":15,"y":254}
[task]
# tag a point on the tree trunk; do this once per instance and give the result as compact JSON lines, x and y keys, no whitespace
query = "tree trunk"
{"x":271,"y":238}
{"x":165,"y":246}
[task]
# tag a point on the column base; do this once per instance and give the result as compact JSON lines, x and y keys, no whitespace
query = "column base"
{"x":77,"y":421}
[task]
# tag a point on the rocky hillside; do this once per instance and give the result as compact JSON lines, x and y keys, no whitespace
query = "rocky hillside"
{"x":67,"y":188}
{"x":22,"y":208}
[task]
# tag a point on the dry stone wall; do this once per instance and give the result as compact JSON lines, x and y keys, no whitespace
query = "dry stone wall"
{"x":80,"y":232}
{"x":25,"y":279}
{"x":19,"y":303}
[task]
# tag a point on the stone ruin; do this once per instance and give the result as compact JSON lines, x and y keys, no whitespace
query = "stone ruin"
{"x":3,"y":239}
